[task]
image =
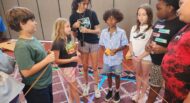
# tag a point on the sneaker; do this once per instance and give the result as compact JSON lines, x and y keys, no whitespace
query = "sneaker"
{"x":97,"y":92}
{"x":135,"y":98}
{"x":85,"y":90}
{"x":116,"y":98}
{"x":143,"y":99}
{"x":109,"y":96}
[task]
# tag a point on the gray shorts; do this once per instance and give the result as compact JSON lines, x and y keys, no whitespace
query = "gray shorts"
{"x":88,"y":47}
{"x":156,"y":78}
{"x":116,"y":69}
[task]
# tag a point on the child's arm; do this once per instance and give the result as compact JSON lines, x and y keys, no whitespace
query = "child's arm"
{"x":90,"y":31}
{"x":157,"y":49}
{"x":64,"y":61}
{"x":114,"y":51}
{"x":38,"y":66}
{"x":144,"y":54}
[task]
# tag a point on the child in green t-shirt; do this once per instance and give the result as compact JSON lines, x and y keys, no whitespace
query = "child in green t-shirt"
{"x":31,"y":56}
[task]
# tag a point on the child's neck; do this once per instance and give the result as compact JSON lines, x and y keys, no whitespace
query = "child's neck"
{"x":171,"y":17}
{"x":80,"y":10}
{"x":112,"y":29}
{"x":25,"y":35}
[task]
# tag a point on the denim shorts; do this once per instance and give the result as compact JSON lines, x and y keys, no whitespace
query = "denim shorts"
{"x":116,"y":69}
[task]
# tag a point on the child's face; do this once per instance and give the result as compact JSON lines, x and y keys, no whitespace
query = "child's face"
{"x":142,"y":16}
{"x":83,"y":5}
{"x":111,"y":21}
{"x":162,"y":9}
{"x":183,"y":12}
{"x":67,"y":28}
{"x":29,"y":26}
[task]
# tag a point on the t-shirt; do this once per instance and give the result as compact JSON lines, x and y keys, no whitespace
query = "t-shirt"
{"x":89,"y":20}
{"x":66,"y":50}
{"x":176,"y":67}
{"x":163,"y":31}
{"x":2,"y":25}
{"x":139,"y":40}
{"x":29,"y":53}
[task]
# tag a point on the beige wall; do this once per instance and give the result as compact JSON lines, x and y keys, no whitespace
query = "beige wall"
{"x":46,"y":12}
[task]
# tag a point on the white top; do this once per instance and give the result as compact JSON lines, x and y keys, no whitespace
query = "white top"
{"x":139,"y":40}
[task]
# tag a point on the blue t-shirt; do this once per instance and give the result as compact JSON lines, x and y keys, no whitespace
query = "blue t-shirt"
{"x":2,"y":25}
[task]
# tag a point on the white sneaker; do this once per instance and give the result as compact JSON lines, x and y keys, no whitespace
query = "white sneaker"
{"x":135,"y":98}
{"x":86,"y":89}
{"x":97,"y":92}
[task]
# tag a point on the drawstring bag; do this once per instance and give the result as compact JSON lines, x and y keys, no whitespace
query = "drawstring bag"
{"x":7,"y":63}
{"x":9,"y":87}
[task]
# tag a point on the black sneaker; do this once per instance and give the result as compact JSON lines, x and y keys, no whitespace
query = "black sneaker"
{"x":108,"y":96}
{"x":116,"y":98}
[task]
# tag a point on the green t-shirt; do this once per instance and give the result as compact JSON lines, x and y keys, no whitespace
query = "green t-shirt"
{"x":28,"y":53}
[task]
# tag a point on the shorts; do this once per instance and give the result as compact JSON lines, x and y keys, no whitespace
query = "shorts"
{"x":156,"y":79}
{"x":116,"y":69}
{"x":88,"y":47}
{"x":69,"y":74}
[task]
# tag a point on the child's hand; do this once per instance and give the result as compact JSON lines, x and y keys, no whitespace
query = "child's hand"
{"x":50,"y":57}
{"x":75,"y":59}
{"x":148,"y":47}
{"x":77,"y":24}
{"x":113,"y":52}
{"x":107,"y":52}
{"x":83,"y":30}
{"x":136,"y":59}
{"x":78,"y":53}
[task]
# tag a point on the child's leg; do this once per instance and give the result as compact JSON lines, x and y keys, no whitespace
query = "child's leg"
{"x":94,"y":61}
{"x":74,"y":92}
{"x":155,"y":82}
{"x":146,"y":66}
{"x":85,"y":57}
{"x":71,"y":98}
{"x":117,"y":81}
{"x":109,"y":80}
{"x":117,"y":71}
{"x":138,"y":75}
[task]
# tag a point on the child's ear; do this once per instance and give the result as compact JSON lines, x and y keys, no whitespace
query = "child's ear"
{"x":21,"y":25}
{"x":171,"y":8}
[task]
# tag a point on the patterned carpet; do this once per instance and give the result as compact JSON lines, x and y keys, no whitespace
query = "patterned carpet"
{"x":127,"y":88}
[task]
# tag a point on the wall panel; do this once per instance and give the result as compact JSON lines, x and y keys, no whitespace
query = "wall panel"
{"x":32,"y":5}
{"x":100,"y":6}
{"x":128,"y":8}
{"x":7,"y":4}
{"x":49,"y":12}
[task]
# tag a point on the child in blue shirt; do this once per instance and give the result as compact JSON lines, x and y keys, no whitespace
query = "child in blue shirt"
{"x":113,"y":40}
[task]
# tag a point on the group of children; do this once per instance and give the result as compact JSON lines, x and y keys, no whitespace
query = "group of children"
{"x":78,"y":38}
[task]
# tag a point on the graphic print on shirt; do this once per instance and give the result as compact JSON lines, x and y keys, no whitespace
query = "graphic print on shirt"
{"x":70,"y":47}
{"x":85,"y":22}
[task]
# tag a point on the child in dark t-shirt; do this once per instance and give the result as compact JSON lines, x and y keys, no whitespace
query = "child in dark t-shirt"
{"x":163,"y":30}
{"x":85,"y":24}
{"x":66,"y":56}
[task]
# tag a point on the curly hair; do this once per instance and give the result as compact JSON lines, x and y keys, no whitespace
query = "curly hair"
{"x":174,"y":3}
{"x":113,"y":12}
